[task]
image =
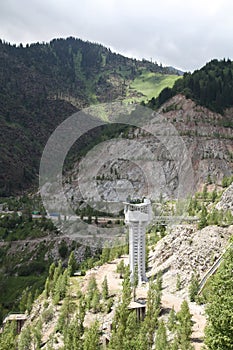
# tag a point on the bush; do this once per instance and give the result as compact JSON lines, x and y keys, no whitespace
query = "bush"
{"x":63,"y":250}
{"x":47,"y":315}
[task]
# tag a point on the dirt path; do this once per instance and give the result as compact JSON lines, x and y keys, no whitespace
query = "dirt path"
{"x":109,"y":270}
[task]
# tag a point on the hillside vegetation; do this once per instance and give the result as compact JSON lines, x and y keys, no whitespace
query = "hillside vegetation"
{"x":211,"y":86}
{"x":77,"y":312}
{"x":150,"y":84}
{"x":42,"y":84}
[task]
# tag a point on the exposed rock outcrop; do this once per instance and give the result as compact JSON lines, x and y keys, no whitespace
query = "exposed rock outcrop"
{"x":226,"y":202}
{"x":185,"y":251}
{"x":152,"y":160}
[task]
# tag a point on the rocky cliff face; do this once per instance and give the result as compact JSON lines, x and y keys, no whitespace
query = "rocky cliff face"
{"x":209,"y":141}
{"x":189,"y":146}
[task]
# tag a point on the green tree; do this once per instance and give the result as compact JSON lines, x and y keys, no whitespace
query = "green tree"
{"x":204,"y":192}
{"x":203,"y":219}
{"x":105,"y":255}
{"x":130,"y":341}
{"x":172,"y":319}
{"x":161,"y":342}
{"x":184,"y":326}
{"x":51,"y":271}
{"x":228,"y":219}
{"x":95,"y":302}
{"x":121,"y":268}
{"x":92,"y":338}
{"x":214,"y":195}
{"x":193,"y":287}
{"x":91,"y":289}
{"x":219,"y":329}
{"x":74,"y":332}
{"x":25,"y":338}
{"x":29,"y":301}
{"x":37,"y":336}
{"x":119,"y":324}
{"x":47,"y":288}
{"x":72,"y":264}
{"x":59,"y":291}
{"x":65,"y":315}
{"x":105,"y":288}
{"x":153,"y":309}
{"x":23,"y":300}
{"x":8,"y":337}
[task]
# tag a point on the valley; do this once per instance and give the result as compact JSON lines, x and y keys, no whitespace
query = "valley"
{"x":140,"y":130}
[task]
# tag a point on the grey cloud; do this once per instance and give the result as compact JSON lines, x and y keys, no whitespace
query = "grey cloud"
{"x":181,"y":33}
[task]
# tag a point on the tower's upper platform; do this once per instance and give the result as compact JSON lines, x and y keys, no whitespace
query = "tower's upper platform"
{"x":139,"y":212}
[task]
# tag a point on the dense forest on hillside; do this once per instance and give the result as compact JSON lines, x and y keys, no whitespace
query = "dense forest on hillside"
{"x":211,"y":86}
{"x":42,"y":84}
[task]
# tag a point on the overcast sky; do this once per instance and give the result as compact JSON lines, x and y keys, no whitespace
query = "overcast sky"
{"x":182,"y":33}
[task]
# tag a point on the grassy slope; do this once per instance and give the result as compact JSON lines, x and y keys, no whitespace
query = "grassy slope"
{"x":150,"y":85}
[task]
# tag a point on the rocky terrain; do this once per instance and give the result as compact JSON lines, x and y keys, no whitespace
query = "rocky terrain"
{"x":186,"y":251}
{"x":226,"y":203}
{"x":179,"y":149}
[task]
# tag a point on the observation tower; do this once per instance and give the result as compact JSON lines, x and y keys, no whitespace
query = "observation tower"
{"x":137,"y":217}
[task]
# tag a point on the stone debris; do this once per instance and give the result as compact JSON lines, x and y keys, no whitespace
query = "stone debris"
{"x":226,"y":202}
{"x":185,"y":251}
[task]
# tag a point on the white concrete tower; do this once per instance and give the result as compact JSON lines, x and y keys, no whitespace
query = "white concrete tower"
{"x":137,"y":217}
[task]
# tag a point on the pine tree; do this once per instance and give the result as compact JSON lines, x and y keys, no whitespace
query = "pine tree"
{"x":37,"y":336}
{"x":47,"y":288}
{"x":184,"y":326}
{"x":65,"y":315}
{"x":142,"y":340}
{"x":219,"y":330}
{"x":203,"y":219}
{"x":29,"y":302}
{"x":73,"y":333}
{"x":205,"y":193}
{"x":132,"y":328}
{"x":60,"y":287}
{"x":8,"y":337}
{"x":51,"y":271}
{"x":23,"y":301}
{"x":91,"y":289}
{"x":121,"y":268}
{"x":95,"y":302}
{"x":161,"y":342}
{"x":92,"y":338}
{"x":119,"y":324}
{"x":105,"y":288}
{"x":105,"y":255}
{"x":172,"y":319}
{"x":25,"y":338}
{"x":193,"y":287}
{"x":72,"y":264}
{"x":153,"y":309}
{"x":214,"y":195}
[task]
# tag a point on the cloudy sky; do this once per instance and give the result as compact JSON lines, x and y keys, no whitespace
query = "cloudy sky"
{"x":182,"y":33}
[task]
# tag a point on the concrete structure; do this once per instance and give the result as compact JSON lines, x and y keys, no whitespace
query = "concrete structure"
{"x":20,"y":319}
{"x":137,"y":217}
{"x":139,"y":308}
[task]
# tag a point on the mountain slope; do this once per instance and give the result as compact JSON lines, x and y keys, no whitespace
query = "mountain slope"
{"x":210,"y":86}
{"x":42,"y":84}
